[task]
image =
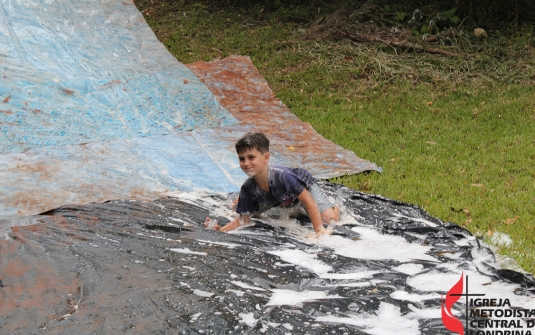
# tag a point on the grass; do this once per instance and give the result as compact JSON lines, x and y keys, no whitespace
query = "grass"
{"x":454,"y":135}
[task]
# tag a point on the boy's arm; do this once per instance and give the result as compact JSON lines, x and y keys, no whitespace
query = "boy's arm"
{"x":235,"y":223}
{"x":240,"y":220}
{"x":312,"y":210}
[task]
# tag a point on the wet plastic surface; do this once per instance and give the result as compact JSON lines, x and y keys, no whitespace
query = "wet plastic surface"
{"x":93,"y":107}
{"x":148,"y":167}
{"x":91,"y":71}
{"x":140,"y":267}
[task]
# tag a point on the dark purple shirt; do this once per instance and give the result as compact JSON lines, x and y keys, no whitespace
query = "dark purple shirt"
{"x":285,"y":185}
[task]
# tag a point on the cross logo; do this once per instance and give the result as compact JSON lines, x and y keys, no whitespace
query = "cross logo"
{"x":455,"y":293}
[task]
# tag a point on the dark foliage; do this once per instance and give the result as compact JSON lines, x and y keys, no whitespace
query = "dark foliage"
{"x":488,"y":14}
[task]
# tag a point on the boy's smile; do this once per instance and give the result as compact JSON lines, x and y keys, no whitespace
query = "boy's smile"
{"x":253,"y":162}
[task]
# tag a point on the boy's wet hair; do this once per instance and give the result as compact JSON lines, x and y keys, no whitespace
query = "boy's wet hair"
{"x":251,"y":141}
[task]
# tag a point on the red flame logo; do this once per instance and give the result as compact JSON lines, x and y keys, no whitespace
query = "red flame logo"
{"x":450,"y":321}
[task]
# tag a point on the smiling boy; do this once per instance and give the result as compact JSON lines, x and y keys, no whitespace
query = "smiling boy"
{"x":276,"y":186}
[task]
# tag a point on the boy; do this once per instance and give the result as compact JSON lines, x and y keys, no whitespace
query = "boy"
{"x":276,"y":186}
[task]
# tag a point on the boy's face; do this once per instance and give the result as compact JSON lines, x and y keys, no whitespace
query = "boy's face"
{"x":253,"y":161}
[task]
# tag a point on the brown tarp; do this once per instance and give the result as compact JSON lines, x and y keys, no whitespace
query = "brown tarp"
{"x":241,"y":89}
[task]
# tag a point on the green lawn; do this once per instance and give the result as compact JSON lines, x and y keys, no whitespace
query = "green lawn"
{"x":454,"y":135}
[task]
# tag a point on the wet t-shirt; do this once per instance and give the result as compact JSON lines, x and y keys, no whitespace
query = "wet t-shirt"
{"x":285,"y":185}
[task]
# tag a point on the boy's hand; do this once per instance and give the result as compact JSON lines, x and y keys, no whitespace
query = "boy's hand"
{"x":322,"y":231}
{"x":211,"y":224}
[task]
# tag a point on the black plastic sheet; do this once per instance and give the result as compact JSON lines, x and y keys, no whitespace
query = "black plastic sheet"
{"x":125,"y":267}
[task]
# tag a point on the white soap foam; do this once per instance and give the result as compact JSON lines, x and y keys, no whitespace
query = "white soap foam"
{"x":409,"y":268}
{"x":376,"y":246}
{"x":288,"y":326}
{"x":387,"y":321}
{"x":373,"y":245}
{"x":283,"y":265}
{"x":292,"y":228}
{"x":282,"y":297}
{"x":455,"y":267}
{"x":302,"y":259}
{"x":205,"y":197}
{"x":501,"y":240}
{"x":264,"y":328}
{"x":482,"y":257}
{"x":356,"y":275}
{"x":436,"y":281}
{"x":240,"y":231}
{"x":187,"y":251}
{"x":178,"y":220}
{"x":465,"y":241}
{"x":403,"y":295}
{"x":202,"y":293}
{"x":194,"y":317}
{"x":430,"y":313}
{"x":236,"y":292}
{"x":229,"y":245}
{"x":248,"y":319}
{"x":356,"y":284}
{"x":246,"y":286}
{"x":451,"y":255}
{"x":427,"y":222}
{"x":421,"y":237}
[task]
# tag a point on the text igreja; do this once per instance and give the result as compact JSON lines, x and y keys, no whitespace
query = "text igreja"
{"x":498,"y":312}
{"x":490,"y":302}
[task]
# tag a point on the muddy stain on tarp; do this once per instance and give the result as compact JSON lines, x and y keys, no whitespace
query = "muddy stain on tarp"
{"x":241,"y":89}
{"x":149,"y":267}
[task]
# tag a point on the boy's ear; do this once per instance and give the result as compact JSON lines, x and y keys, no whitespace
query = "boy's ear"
{"x":266,"y":157}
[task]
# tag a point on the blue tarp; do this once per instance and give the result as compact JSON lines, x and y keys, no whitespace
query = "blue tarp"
{"x":86,"y":71}
{"x":93,"y":107}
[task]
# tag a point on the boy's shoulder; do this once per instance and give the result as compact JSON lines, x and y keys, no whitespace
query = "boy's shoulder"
{"x":275,"y":173}
{"x":279,"y":168}
{"x":285,"y":174}
{"x":282,"y":169}
{"x":300,"y":172}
